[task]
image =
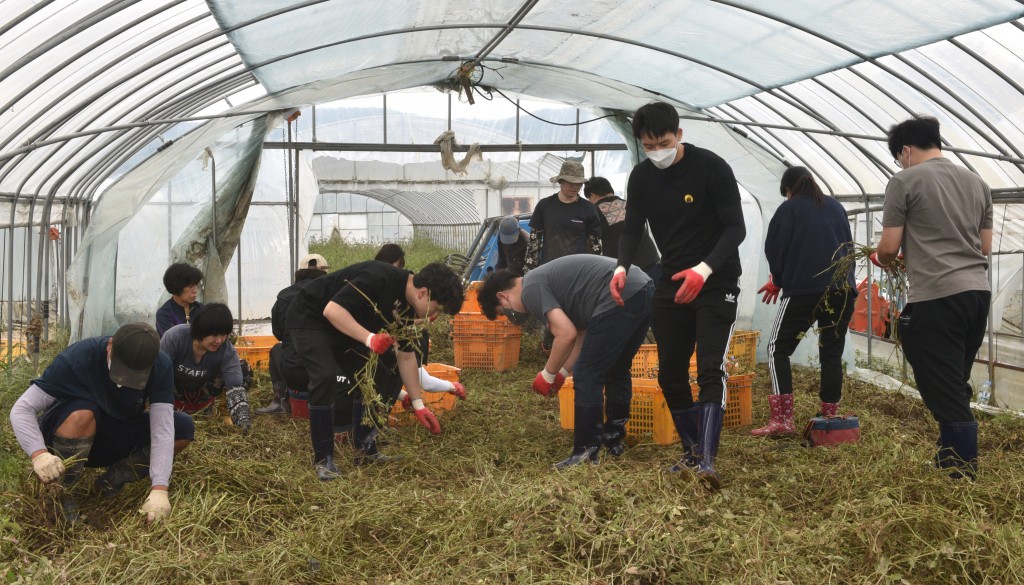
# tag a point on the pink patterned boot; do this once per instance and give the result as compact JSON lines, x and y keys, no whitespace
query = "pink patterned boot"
{"x":829,"y":408}
{"x":781,"y":424}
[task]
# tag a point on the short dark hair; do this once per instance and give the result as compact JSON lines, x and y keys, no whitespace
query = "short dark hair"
{"x":597,"y":186}
{"x":212,"y":319}
{"x":655,"y":120}
{"x":308,"y":274}
{"x":800,"y":183}
{"x":391,"y":253}
{"x":487,"y":295}
{"x":444,"y":285}
{"x":919,"y":131}
{"x":179,"y":275}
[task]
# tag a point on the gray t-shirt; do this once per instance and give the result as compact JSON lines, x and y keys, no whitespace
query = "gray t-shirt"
{"x":942,"y":208}
{"x":578,"y":284}
{"x":189,"y":375}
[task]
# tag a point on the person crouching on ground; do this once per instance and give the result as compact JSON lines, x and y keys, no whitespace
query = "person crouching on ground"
{"x":206,"y":365}
{"x":93,"y":398}
{"x":594,"y":337}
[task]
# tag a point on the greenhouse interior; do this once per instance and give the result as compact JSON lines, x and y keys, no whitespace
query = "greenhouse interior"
{"x":240,"y":136}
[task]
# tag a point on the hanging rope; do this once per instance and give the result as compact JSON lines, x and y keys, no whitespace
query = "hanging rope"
{"x":447,"y":143}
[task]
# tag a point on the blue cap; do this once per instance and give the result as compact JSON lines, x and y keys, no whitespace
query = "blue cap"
{"x":508,"y":230}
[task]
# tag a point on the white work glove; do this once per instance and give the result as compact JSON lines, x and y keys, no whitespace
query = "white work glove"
{"x":47,"y":466}
{"x":157,"y":506}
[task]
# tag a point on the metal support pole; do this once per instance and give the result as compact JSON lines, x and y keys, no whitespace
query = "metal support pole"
{"x":869,"y":231}
{"x":991,"y":341}
{"x":239,"y":265}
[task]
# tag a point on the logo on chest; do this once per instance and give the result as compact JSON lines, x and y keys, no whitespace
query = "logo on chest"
{"x":191,"y":372}
{"x":688,"y":198}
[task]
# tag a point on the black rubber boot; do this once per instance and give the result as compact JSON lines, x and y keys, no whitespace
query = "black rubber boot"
{"x":280,"y":404}
{"x":74,"y":452}
{"x":687,"y":422}
{"x":958,"y":449}
{"x":586,"y":441}
{"x":132,"y":468}
{"x":364,"y":438}
{"x":321,"y":432}
{"x":710,"y":432}
{"x":614,"y":436}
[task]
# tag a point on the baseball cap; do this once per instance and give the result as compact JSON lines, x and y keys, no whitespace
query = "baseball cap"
{"x":508,"y":230}
{"x":133,"y":353}
{"x":314,"y":261}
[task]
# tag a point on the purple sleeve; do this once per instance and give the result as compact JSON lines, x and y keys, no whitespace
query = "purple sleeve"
{"x":161,"y":436}
{"x":24,"y":421}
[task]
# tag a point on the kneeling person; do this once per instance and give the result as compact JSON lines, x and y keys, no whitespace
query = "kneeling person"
{"x":594,"y":337}
{"x":206,"y":364}
{"x":93,"y":398}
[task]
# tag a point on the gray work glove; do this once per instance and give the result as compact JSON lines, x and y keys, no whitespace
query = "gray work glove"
{"x":238,"y":407}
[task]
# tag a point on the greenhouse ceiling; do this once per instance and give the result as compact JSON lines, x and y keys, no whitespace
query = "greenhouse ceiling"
{"x":88,"y":86}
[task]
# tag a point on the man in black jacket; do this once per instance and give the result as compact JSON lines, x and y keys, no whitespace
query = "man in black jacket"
{"x":286,"y":369}
{"x":690,"y":199}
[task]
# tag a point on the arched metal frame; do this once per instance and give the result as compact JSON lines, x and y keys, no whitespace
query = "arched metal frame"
{"x":79,"y":169}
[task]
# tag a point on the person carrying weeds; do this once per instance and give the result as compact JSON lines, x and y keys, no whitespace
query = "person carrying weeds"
{"x":593,"y":336}
{"x":940,"y":215}
{"x":93,"y":397}
{"x":689,"y":197}
{"x":805,"y":236}
{"x":336,"y":321}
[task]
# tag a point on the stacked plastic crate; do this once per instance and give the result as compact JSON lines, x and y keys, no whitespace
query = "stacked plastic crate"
{"x":649,"y":418}
{"x":483,"y":344}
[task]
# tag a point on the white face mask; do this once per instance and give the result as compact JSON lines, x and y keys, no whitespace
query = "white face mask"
{"x":662,"y":158}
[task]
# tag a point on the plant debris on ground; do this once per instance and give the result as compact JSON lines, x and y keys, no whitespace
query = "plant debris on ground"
{"x":481,"y":504}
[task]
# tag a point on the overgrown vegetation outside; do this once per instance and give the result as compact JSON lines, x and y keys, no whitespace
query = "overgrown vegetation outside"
{"x":481,"y":504}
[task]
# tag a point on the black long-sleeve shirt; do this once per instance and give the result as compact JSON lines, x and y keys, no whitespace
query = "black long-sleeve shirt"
{"x":694,"y":210}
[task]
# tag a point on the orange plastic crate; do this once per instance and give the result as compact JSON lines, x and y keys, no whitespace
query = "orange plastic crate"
{"x":486,"y":352}
{"x":470,"y":304}
{"x":255,"y":349}
{"x":475,"y":324}
{"x":435,"y":401}
{"x":649,"y":417}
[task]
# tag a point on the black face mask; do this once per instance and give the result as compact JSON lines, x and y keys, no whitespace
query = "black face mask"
{"x":515,"y":317}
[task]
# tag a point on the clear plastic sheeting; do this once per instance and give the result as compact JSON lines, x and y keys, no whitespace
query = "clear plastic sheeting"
{"x":135,"y":236}
{"x":723,"y":50}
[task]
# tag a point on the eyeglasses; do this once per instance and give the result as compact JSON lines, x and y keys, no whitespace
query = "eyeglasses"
{"x":899,"y":157}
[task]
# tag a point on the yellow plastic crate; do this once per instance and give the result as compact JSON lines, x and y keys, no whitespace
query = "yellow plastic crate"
{"x":742,"y":350}
{"x":649,"y":417}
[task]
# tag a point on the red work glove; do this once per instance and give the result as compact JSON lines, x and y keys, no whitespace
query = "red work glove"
{"x":617,"y":284}
{"x":405,"y":399}
{"x":379,"y":342}
{"x":874,"y":260}
{"x":426,"y":417}
{"x":693,"y":280}
{"x":547,"y":384}
{"x":458,"y":390}
{"x":771,"y":292}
